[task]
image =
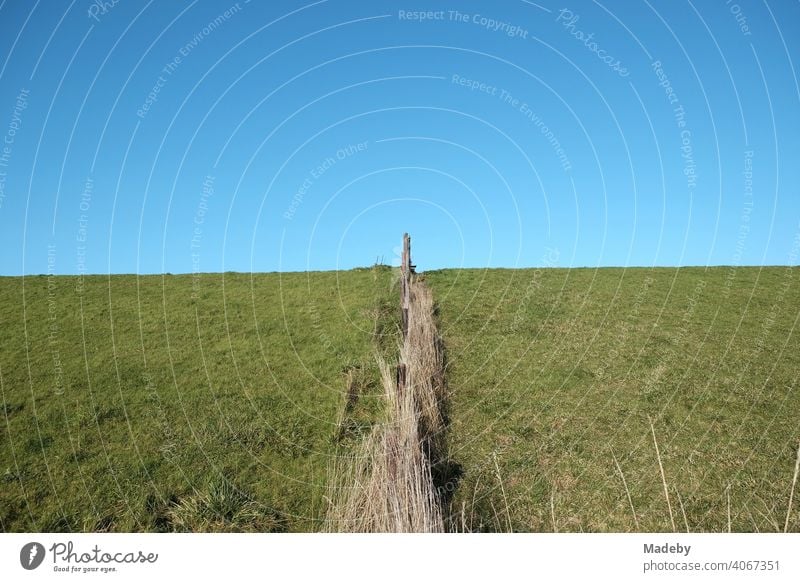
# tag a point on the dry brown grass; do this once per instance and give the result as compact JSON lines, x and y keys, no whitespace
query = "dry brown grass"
{"x":423,"y":356}
{"x":627,"y":491}
{"x":387,"y":486}
{"x":663,"y":477}
{"x":791,"y":491}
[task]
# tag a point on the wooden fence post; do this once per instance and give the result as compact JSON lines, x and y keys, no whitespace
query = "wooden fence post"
{"x":405,"y":280}
{"x":406,"y":268}
{"x":401,"y":378}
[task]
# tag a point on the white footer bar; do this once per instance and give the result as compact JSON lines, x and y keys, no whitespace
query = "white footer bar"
{"x":118,"y":557}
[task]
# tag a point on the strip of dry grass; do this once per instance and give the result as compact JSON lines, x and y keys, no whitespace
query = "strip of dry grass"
{"x":388,"y":484}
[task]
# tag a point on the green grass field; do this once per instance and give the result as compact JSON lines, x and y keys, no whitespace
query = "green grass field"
{"x":213,"y":403}
{"x":554,"y":373}
{"x":149,"y":409}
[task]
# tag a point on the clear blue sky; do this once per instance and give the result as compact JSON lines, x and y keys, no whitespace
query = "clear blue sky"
{"x":223,"y":136}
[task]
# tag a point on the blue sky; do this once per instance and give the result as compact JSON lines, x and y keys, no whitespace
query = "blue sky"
{"x":262,"y":136}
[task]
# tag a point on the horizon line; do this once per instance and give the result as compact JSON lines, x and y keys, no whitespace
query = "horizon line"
{"x":288,"y":272}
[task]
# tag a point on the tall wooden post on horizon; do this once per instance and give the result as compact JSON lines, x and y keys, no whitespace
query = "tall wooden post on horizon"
{"x":405,"y":283}
{"x":406,"y":268}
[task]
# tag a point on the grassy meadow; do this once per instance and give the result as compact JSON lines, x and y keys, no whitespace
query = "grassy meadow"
{"x":179,"y":403}
{"x":556,"y":374}
{"x":216,"y":402}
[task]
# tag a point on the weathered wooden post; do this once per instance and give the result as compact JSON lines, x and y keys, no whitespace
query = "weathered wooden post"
{"x":406,"y":268}
{"x":405,"y":280}
{"x":401,"y":378}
